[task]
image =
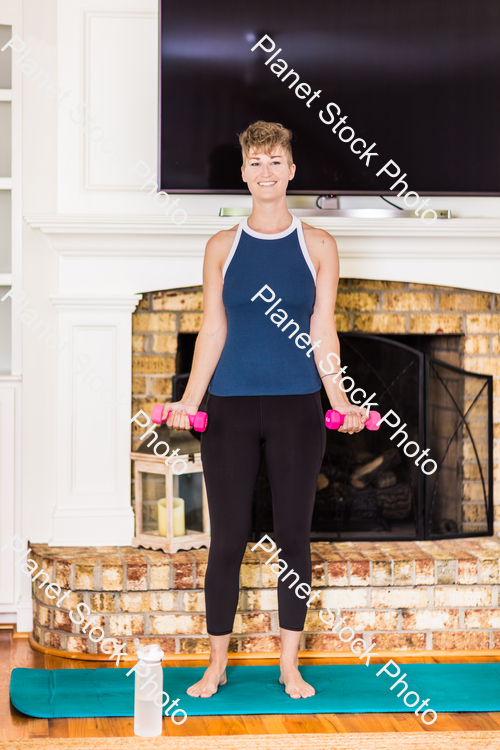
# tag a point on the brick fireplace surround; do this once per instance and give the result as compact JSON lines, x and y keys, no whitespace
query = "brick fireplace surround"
{"x":403,"y":596}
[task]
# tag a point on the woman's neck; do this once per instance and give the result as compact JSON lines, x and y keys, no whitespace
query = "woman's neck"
{"x":270,"y":218}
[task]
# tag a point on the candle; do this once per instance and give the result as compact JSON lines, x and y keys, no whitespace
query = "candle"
{"x":179,"y":518}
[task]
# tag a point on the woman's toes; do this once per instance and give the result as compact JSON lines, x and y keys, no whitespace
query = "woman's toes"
{"x":195,"y":691}
{"x":297,"y":687}
{"x":207,"y":686}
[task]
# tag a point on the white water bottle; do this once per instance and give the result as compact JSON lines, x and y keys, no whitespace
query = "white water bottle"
{"x":148,"y":691}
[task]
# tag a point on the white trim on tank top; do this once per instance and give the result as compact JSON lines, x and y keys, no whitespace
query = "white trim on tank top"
{"x":265,"y":236}
{"x":305,"y":251}
{"x":295,"y":225}
{"x":233,"y":249}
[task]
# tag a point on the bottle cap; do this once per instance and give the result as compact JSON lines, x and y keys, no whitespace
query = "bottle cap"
{"x":151,"y":654}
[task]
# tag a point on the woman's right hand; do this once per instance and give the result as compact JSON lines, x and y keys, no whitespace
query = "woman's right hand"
{"x":355,"y":417}
{"x":177,"y":418}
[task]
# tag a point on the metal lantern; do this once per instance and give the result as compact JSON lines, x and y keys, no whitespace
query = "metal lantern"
{"x":171,"y":510}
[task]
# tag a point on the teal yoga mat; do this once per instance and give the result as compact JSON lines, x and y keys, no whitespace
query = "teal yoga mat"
{"x":255,"y":690}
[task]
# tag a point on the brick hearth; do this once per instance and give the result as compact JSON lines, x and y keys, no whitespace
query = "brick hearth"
{"x":403,"y":596}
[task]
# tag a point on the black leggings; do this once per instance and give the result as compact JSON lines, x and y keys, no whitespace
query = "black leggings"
{"x":292,"y":430}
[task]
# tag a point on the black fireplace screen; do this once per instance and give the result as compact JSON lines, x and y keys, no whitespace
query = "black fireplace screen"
{"x":368,"y":488}
{"x":459,"y":432}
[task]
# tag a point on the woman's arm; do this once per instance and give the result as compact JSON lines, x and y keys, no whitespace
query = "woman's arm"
{"x":324,"y":254}
{"x":212,"y":336}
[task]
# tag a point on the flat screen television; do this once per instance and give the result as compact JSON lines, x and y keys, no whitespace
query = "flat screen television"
{"x":420,"y":79}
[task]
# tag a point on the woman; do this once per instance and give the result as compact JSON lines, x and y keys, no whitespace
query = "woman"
{"x":264,"y":389}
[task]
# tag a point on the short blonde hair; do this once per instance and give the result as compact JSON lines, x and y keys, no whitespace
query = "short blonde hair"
{"x":265,"y":136}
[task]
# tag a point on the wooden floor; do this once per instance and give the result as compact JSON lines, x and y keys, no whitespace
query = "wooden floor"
{"x":14,"y":725}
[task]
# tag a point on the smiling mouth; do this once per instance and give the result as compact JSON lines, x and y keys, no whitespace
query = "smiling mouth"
{"x":267,"y":184}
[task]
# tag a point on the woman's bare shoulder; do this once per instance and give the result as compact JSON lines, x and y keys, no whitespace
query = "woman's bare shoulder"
{"x":318,"y":240}
{"x":222,"y":241}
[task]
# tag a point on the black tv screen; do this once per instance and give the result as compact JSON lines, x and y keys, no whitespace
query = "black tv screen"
{"x":420,"y":79}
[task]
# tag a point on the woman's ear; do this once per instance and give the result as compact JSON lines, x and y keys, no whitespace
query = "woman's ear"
{"x":243,"y":173}
{"x":291,"y":173}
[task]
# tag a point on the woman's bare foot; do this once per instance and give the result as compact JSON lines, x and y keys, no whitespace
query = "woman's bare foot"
{"x":295,"y":686}
{"x":290,"y":677}
{"x":209,"y":683}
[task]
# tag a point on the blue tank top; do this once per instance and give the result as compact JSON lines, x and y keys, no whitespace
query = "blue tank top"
{"x":264,"y":353}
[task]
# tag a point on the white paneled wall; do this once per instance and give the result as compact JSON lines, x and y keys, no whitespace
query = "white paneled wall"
{"x":7,"y":491}
{"x":93,"y":445}
{"x":108,"y":61}
{"x":13,"y":596}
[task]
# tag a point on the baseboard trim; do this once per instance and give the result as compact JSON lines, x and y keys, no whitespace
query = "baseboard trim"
{"x":15,"y":635}
{"x":395,"y":655}
{"x":20,"y":636}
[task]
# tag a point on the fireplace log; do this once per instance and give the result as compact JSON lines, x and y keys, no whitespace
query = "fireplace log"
{"x":363,"y":475}
{"x":362,"y":457}
{"x":395,"y":501}
{"x":385,"y":479}
{"x":322,"y":482}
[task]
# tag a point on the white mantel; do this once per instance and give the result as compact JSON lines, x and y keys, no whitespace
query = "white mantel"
{"x":142,"y":253}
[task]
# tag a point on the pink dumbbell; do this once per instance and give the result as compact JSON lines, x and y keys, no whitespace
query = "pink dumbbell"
{"x":198,"y":420}
{"x":333,"y":420}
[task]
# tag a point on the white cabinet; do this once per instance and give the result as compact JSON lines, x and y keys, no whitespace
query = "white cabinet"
{"x":15,"y":598}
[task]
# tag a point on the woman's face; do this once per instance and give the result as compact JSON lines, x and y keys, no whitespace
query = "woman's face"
{"x":267,"y":175}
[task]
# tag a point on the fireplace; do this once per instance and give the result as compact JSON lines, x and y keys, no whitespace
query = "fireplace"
{"x":397,"y":343}
{"x":368,"y":488}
